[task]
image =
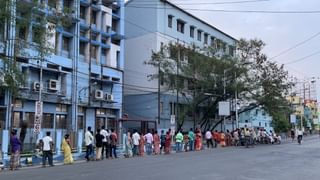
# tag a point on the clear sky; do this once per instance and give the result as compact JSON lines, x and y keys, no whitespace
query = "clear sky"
{"x":280,"y":31}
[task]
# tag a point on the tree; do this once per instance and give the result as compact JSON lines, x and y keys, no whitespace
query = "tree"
{"x":249,"y":74}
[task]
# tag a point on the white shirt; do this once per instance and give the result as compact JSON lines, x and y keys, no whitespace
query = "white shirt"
{"x":88,"y":138}
{"x":149,"y":138}
{"x":300,"y":132}
{"x":46,"y":143}
{"x":105,"y":134}
{"x":208,"y":135}
{"x":135,"y":138}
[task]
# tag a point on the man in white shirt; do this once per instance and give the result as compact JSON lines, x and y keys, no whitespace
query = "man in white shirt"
{"x":105,"y":142}
{"x":149,"y":138}
{"x":209,"y":139}
{"x":88,"y":140}
{"x":47,"y":147}
{"x":135,"y":139}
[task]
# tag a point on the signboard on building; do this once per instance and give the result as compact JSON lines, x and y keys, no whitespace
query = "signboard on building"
{"x":224,"y":108}
{"x":173,"y":119}
{"x":38,"y":117}
{"x":293,"y":118}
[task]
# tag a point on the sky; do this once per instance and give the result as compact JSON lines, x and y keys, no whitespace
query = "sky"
{"x":279,"y":31}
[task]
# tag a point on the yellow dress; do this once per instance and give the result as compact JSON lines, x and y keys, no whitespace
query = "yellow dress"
{"x":65,"y":147}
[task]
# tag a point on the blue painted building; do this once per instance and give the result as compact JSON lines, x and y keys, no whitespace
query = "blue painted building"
{"x":255,"y":117}
{"x":80,"y":82}
{"x":147,"y":29}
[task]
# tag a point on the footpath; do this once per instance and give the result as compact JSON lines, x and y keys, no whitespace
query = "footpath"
{"x":79,"y":158}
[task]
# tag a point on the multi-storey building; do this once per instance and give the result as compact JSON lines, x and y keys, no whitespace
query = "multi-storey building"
{"x":80,"y":83}
{"x":148,"y":27}
{"x":255,"y":117}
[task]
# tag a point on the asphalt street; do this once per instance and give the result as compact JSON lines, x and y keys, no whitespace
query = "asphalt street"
{"x":263,"y":162}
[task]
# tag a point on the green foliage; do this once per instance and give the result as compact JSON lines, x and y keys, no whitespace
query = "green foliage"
{"x":250,"y":74}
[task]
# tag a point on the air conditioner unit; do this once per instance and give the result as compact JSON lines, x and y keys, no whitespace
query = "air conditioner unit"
{"x":54,"y":85}
{"x":98,"y":94}
{"x":109,"y":97}
{"x":36,"y":86}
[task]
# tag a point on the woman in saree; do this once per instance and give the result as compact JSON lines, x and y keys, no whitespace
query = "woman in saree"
{"x":167,"y":145}
{"x":198,"y":140}
{"x":65,"y":147}
{"x":129,"y":145}
{"x":222,"y":139}
{"x":156,"y":143}
{"x":141,"y":144}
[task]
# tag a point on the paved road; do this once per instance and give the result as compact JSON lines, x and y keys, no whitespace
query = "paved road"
{"x":264,"y":162}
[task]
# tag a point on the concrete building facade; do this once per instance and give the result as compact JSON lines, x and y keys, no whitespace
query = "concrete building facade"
{"x":80,"y":82}
{"x":148,"y":27}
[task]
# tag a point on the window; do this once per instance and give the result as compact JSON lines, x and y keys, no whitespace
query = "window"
{"x":171,"y":108}
{"x":93,"y":17}
{"x":61,"y":108}
{"x":199,"y":35}
{"x":1,"y":32}
{"x":82,"y":12}
{"x":93,"y":51}
{"x":61,"y":121}
{"x":104,"y":40}
{"x":205,"y":38}
{"x":80,"y":122}
{"x":231,"y":50}
{"x":17,"y":116}
{"x":213,"y":42}
{"x":67,"y":4}
{"x":35,"y":34}
{"x":100,"y":111}
{"x":94,"y":36}
{"x":22,"y":32}
{"x":257,"y":111}
{"x":47,"y":120}
{"x":81,"y":109}
{"x":83,"y":33}
{"x":52,"y":3}
{"x":66,"y":43}
{"x":29,"y":118}
{"x":18,"y":103}
{"x":180,"y":26}
{"x":192,"y":31}
{"x":259,"y":124}
{"x":82,"y":48}
{"x":170,"y":18}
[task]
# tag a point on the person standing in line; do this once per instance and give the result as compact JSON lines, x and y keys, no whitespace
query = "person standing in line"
{"x":179,"y":139}
{"x":185,"y":141}
{"x":228,"y":138}
{"x":88,"y":140}
{"x":198,"y":140}
{"x":135,"y":139}
{"x":191,"y":139}
{"x":162,"y":141}
{"x":47,"y":148}
{"x":149,"y":139}
{"x":222,"y":139}
{"x":209,"y":139}
{"x":156,"y":143}
{"x":216,"y":138}
{"x":141,"y":144}
{"x":114,"y":140}
{"x":105,"y":142}
{"x":99,"y":144}
{"x":236,"y":137}
{"x":167,"y":146}
{"x":15,"y":150}
{"x":128,"y":145}
{"x":65,"y":147}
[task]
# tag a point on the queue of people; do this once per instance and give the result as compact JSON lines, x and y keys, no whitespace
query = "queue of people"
{"x":137,"y":144}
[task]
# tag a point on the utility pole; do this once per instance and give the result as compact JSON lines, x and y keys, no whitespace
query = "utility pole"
{"x":224,"y":97}
{"x":177,"y":82}
{"x":236,"y":101}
